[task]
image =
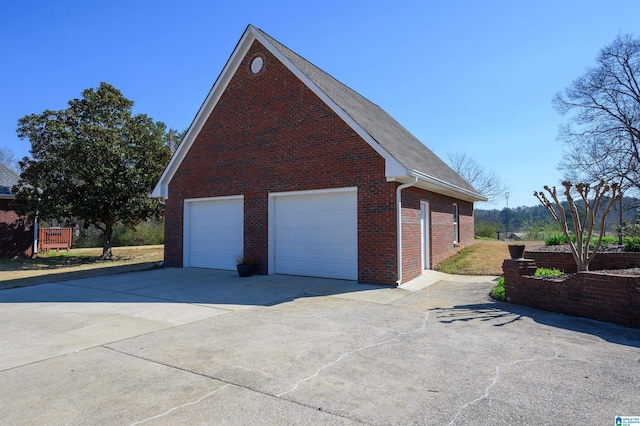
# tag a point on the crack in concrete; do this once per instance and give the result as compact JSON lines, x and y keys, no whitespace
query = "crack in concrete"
{"x":177,"y":407}
{"x":344,"y":355}
{"x":497,"y":377}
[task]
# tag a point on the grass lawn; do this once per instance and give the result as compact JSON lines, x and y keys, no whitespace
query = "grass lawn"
{"x":484,"y":257}
{"x":77,"y":263}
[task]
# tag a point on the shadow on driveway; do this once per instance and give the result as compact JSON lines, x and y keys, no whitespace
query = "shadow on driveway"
{"x":506,"y":313}
{"x":216,"y":288}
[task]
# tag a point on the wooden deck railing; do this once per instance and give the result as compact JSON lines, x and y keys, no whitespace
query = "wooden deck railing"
{"x":54,"y":238}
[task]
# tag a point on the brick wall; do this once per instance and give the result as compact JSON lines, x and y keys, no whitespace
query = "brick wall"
{"x":602,"y":260}
{"x":603,"y":297}
{"x":270,"y":133}
{"x":440,"y":228}
{"x":16,"y":235}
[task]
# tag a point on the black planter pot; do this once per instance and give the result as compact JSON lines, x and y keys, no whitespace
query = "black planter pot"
{"x":516,"y":251}
{"x":245,"y":270}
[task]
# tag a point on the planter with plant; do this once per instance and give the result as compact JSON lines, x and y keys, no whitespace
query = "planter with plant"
{"x":244,"y":264}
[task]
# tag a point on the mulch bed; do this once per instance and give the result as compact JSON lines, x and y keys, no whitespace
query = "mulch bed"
{"x":564,"y":248}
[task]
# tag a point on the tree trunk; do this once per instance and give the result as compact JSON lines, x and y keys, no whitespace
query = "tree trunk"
{"x":620,"y":228}
{"x":106,"y":247}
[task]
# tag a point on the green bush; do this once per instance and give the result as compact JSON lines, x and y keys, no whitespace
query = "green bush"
{"x":498,"y":290}
{"x":555,"y":240}
{"x":631,"y":230}
{"x":548,"y":272}
{"x":606,"y":242}
{"x":536,"y":230}
{"x":145,"y":233}
{"x":486,"y":229}
{"x":632,"y":244}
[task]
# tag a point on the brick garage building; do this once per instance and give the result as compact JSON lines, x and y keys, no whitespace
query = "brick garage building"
{"x":287,"y":164}
{"x":16,"y":232}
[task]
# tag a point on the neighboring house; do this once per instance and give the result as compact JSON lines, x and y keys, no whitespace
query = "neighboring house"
{"x":16,"y":232}
{"x":287,"y":164}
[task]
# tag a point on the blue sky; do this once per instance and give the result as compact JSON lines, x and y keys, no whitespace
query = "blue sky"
{"x":463,"y":76}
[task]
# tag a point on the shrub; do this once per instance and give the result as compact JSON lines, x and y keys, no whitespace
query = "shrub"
{"x":144,"y":233}
{"x":555,"y":240}
{"x":631,"y":230}
{"x":486,"y":229}
{"x":498,"y":290}
{"x":548,"y":272}
{"x":606,"y":242}
{"x":632,"y":244}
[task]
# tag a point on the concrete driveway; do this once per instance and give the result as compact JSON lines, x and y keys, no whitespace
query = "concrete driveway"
{"x":189,"y":346}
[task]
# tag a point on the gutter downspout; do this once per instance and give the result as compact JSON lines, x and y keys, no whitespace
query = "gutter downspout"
{"x":399,"y":225}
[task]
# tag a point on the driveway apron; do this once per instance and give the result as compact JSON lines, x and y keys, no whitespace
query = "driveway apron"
{"x":193,"y":346}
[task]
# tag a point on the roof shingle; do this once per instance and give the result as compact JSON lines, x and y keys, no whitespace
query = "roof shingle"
{"x":8,"y":178}
{"x":386,"y":131}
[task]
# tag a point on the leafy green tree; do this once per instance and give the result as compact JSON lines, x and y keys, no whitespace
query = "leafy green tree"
{"x":94,"y":161}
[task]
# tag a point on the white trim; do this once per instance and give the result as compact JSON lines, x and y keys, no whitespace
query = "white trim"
{"x":161,"y":190}
{"x":456,"y":223}
{"x":438,"y":186}
{"x":222,"y":198}
{"x":425,"y":234}
{"x":399,"y":225}
{"x":394,"y":170}
{"x":271,"y":255}
{"x":314,"y":191}
{"x":162,"y":187}
{"x":186,"y":222}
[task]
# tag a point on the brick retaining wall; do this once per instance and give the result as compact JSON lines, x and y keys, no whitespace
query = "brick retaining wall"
{"x":564,"y":260}
{"x":604,"y":297}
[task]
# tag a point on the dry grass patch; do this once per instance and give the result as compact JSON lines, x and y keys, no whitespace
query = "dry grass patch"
{"x":77,"y":263}
{"x":484,"y":257}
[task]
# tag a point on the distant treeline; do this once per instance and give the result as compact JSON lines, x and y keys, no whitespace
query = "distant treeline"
{"x":536,"y":222}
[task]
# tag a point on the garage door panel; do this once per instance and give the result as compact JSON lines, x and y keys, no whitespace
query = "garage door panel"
{"x":316,"y":235}
{"x":215,"y":233}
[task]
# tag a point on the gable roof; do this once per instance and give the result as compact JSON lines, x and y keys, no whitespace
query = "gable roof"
{"x":405,"y":156}
{"x":8,"y":178}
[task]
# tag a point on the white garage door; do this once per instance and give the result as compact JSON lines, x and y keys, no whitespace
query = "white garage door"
{"x":214,"y":232}
{"x":316,"y":234}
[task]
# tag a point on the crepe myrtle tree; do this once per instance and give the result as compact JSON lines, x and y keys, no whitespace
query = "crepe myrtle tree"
{"x":583,"y":224}
{"x":94,"y":160}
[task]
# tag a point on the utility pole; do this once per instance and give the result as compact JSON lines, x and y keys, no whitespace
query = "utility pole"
{"x":506,"y":196}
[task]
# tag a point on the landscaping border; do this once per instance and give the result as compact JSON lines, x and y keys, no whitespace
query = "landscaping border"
{"x":604,"y":297}
{"x":564,"y":261}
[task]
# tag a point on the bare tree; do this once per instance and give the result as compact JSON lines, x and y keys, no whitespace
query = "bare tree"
{"x":9,"y":159}
{"x":583,"y":226}
{"x":487,"y":183}
{"x":602,"y":136}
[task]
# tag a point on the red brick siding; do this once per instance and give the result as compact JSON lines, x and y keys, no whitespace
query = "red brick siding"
{"x":440,"y":229}
{"x":603,"y":297}
{"x":16,"y":234}
{"x":271,"y":133}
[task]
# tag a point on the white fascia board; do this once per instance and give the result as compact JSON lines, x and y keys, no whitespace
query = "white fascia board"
{"x":438,"y":186}
{"x":446,"y":188}
{"x":162,"y":187}
{"x":392,"y":165}
{"x":221,"y":198}
{"x":314,"y":191}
